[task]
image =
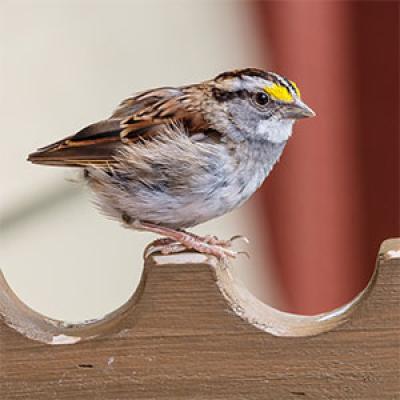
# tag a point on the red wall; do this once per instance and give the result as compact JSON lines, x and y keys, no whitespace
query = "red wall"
{"x":335,"y":194}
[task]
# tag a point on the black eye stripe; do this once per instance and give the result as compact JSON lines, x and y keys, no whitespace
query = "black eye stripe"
{"x":224,"y":95}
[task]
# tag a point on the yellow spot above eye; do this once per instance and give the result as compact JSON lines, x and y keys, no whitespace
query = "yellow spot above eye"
{"x":279,"y":92}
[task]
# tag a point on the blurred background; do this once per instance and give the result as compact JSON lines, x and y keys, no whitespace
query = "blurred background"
{"x":316,"y":224}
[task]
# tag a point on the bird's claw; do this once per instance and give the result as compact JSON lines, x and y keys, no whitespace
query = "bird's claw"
{"x":244,"y":253}
{"x":164,"y":246}
{"x":239,"y":238}
{"x":213,"y":240}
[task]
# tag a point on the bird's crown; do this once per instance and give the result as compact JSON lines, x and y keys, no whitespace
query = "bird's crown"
{"x":276,"y":86}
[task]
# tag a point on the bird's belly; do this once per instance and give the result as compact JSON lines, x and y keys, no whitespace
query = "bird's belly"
{"x":179,"y":194}
{"x":196,"y":204}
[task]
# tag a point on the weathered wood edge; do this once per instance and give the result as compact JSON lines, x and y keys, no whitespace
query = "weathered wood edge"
{"x":17,"y":315}
{"x":280,"y":323}
{"x":37,"y":327}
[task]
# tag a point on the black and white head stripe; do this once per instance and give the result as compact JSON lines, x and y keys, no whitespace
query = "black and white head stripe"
{"x":248,"y":79}
{"x":289,"y":85}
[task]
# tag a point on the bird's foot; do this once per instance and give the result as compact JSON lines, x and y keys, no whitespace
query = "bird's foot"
{"x":205,"y":245}
{"x":210,"y":239}
{"x":177,"y":241}
{"x":213,"y":242}
{"x":164,"y":246}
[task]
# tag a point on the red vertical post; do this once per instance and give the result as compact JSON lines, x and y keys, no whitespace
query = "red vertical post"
{"x":324,"y":203}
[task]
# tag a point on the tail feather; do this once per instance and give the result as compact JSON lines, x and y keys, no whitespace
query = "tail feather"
{"x":96,"y":154}
{"x":93,"y":145}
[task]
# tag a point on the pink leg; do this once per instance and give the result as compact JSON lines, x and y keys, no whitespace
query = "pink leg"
{"x":180,"y":240}
{"x":210,"y":239}
{"x":164,"y":246}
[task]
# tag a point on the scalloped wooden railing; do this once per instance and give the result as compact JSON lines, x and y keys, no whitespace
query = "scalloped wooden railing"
{"x":192,"y":331}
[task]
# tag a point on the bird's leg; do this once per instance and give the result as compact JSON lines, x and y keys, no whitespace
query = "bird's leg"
{"x":164,"y":246}
{"x":211,"y":239}
{"x":170,"y":246}
{"x":178,"y":241}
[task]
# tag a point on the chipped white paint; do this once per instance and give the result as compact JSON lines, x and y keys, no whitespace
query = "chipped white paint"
{"x":64,"y":339}
{"x":338,"y":311}
{"x":181,"y":258}
{"x":110,"y":361}
{"x":392,"y":254}
{"x":389,"y":246}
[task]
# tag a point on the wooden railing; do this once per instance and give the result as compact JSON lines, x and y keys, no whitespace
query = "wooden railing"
{"x":192,"y":331}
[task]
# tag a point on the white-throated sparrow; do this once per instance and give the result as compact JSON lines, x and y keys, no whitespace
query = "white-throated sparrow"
{"x":171,"y":158}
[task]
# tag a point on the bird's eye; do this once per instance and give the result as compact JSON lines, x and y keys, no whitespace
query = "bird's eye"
{"x":261,"y":98}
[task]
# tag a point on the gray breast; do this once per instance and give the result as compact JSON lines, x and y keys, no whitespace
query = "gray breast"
{"x":179,"y":183}
{"x":243,"y":176}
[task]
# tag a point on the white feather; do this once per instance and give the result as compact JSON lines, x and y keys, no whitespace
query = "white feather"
{"x":276,"y":131}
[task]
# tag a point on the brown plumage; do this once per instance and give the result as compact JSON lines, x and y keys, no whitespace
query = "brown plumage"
{"x":139,"y":117}
{"x":172,"y":158}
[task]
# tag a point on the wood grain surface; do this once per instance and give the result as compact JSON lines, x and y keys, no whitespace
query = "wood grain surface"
{"x":183,"y":341}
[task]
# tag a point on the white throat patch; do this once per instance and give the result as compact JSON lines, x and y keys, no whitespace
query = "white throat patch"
{"x":276,"y":131}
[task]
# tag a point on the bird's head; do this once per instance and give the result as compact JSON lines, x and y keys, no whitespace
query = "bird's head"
{"x":252,"y":103}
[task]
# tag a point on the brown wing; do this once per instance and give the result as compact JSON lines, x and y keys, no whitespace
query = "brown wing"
{"x":138,"y":117}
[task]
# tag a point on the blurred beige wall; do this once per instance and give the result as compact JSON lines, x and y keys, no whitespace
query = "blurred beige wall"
{"x":64,"y":64}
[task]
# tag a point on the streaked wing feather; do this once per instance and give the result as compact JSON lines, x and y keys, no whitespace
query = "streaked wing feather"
{"x":144,"y":101}
{"x":137,"y":117}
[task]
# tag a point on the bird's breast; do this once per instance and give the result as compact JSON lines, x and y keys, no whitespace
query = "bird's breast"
{"x":183,"y":186}
{"x":233,"y":179}
{"x":252,"y":164}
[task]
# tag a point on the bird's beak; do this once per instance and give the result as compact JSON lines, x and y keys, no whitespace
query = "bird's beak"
{"x":297,"y":110}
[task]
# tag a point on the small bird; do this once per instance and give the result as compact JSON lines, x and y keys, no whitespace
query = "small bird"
{"x":174,"y":157}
